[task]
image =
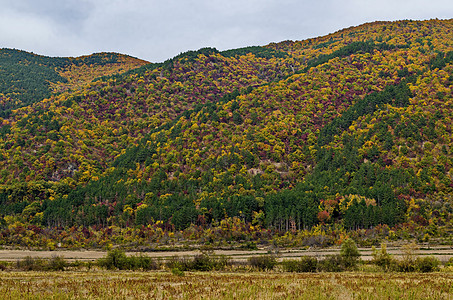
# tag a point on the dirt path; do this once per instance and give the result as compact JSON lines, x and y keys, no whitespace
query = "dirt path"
{"x":443,"y":253}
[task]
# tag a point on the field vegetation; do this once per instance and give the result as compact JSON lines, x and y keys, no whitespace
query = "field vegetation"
{"x":340,"y":276}
{"x":98,"y":284}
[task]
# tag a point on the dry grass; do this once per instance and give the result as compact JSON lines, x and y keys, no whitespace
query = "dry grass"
{"x":215,"y":285}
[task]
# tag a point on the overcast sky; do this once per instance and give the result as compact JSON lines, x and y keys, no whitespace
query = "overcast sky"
{"x":157,"y":30}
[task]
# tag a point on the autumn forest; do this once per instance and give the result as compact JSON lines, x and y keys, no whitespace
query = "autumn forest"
{"x":296,"y":143}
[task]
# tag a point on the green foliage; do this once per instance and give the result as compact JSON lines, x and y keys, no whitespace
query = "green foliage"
{"x":30,"y":264}
{"x":304,"y":264}
{"x":117,"y":259}
{"x":427,"y":264}
{"x":331,"y":263}
{"x":190,"y":56}
{"x":177,"y":272}
{"x":57,"y":263}
{"x":352,"y":48}
{"x":383,"y":259}
{"x":200,"y":262}
{"x":441,"y":60}
{"x":27,"y":77}
{"x":398,"y":95}
{"x":262,"y":52}
{"x":263,"y":262}
{"x":349,"y":254}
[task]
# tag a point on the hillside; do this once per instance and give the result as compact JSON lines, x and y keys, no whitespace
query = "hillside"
{"x":26,"y":78}
{"x":350,"y":130}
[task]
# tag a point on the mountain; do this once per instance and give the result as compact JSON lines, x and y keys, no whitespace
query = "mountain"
{"x":352,"y":129}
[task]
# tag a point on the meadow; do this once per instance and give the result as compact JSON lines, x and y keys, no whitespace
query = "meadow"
{"x":99,"y":284}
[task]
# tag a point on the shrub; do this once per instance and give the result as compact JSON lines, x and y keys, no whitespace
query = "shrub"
{"x":141,"y":262}
{"x":332,"y":263}
{"x":449,"y":263}
{"x":383,"y":259}
{"x":177,"y":272}
{"x":407,"y":263}
{"x":56,"y":263}
{"x":350,"y":254}
{"x":263,"y":262}
{"x":305,"y":264}
{"x":317,"y":241}
{"x":180,"y":263}
{"x":406,"y":266}
{"x":30,"y":264}
{"x":427,"y":264}
{"x":201,"y":262}
{"x":117,"y":259}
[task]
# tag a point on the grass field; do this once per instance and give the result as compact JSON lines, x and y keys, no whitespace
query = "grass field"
{"x":97,"y":284}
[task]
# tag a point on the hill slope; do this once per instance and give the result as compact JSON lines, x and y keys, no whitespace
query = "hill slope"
{"x":26,"y":78}
{"x":351,"y":129}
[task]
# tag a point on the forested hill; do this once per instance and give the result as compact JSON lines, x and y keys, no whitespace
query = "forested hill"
{"x":352,"y":129}
{"x":26,"y":78}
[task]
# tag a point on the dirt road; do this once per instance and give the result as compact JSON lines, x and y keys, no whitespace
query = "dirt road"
{"x":443,"y":253}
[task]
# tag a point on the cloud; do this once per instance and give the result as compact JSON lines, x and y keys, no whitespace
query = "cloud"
{"x":158,"y":30}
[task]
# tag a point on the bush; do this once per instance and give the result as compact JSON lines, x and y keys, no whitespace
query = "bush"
{"x":177,"y":272}
{"x":56,"y":263}
{"x":30,"y":264}
{"x":317,"y":241}
{"x":350,"y":254}
{"x":263,"y":262}
{"x":180,"y":263}
{"x":305,"y":264}
{"x":427,"y":264}
{"x":449,"y":263}
{"x":406,"y":266}
{"x":117,"y":259}
{"x":201,"y":262}
{"x":383,"y":259}
{"x":407,"y":263}
{"x":332,"y":263}
{"x":141,"y":262}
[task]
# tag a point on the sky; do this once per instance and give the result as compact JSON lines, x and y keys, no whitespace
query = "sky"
{"x":156,"y":30}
